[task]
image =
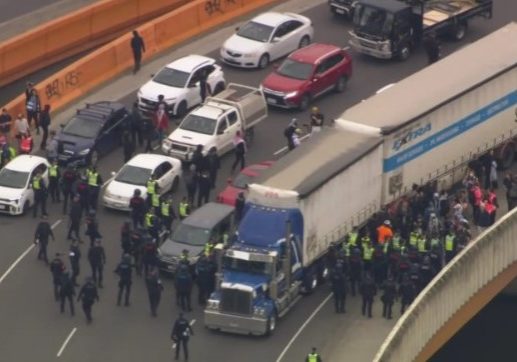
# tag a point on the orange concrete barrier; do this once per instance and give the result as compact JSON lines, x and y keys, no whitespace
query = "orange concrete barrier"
{"x":103,"y":64}
{"x":71,"y":34}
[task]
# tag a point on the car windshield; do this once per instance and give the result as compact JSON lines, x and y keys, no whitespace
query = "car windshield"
{"x":373,"y":21}
{"x":192,"y":235}
{"x":84,"y":128}
{"x":292,"y":69}
{"x":242,"y":181}
{"x":256,"y":31}
{"x":247,"y":266}
{"x":198,"y":124}
{"x":134,"y":175}
{"x":13,"y":179}
{"x":171,"y":77}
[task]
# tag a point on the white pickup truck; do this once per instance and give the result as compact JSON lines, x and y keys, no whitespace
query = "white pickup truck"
{"x":215,"y":123}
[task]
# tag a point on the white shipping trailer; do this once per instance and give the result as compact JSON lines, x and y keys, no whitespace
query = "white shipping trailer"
{"x":436,"y":120}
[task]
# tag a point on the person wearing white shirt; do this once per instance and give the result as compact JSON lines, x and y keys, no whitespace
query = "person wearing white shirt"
{"x":21,"y":126}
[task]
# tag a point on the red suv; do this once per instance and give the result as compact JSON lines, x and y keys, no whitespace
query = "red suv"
{"x":306,"y":74}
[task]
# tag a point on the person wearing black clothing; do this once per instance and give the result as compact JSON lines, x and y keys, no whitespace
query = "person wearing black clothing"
{"x":57,"y":268}
{"x":240,"y":201}
{"x":368,"y":291}
{"x":204,"y":189}
{"x":136,"y":125}
{"x":137,"y":206}
{"x":67,"y":291}
{"x":181,"y":333}
{"x":388,"y":297}
{"x":5,"y":122}
{"x":92,"y":227}
{"x":240,"y":150}
{"x":88,"y":295}
{"x":147,"y":133}
{"x":149,"y":257}
{"x":432,"y":48}
{"x":213,"y":164}
{"x":67,"y":182}
{"x":76,"y":213}
{"x":191,"y":177}
{"x":128,"y":146}
{"x":204,"y":86}
{"x":339,"y":288}
{"x":74,"y":255}
{"x":407,"y":292}
{"x":44,"y":123}
{"x":154,"y":290}
{"x":125,"y":272}
{"x":81,"y":190}
{"x":138,"y":47}
{"x":183,"y":284}
{"x":97,"y":259}
{"x":125,"y":237}
{"x":198,"y":159}
{"x":41,"y":237}
{"x":203,"y":279}
{"x":289,"y":132}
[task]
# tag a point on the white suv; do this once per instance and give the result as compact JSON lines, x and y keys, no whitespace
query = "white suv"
{"x":178,"y":82}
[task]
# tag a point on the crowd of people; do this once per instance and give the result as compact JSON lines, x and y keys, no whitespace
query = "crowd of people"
{"x":402,"y":247}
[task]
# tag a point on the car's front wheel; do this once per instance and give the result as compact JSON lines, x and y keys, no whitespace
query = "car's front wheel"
{"x":263,"y":61}
{"x":181,"y":111}
{"x":341,"y":84}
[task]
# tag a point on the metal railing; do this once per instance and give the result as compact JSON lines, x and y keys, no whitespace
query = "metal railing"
{"x":474,"y":268}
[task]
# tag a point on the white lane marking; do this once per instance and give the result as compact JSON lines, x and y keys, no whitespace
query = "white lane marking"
{"x":302,"y":328}
{"x":66,"y":342}
{"x":191,"y":324}
{"x":27,"y":251}
{"x":107,"y":181}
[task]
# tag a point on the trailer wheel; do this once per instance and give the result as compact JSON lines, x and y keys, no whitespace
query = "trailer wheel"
{"x":459,"y":31}
{"x":404,"y":52}
{"x":271,"y":325}
{"x":507,"y":157}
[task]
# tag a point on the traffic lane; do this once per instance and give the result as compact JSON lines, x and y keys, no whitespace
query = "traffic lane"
{"x":11,"y":9}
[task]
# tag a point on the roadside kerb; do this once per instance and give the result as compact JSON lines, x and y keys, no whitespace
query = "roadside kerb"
{"x":76,"y":32}
{"x":115,"y":57}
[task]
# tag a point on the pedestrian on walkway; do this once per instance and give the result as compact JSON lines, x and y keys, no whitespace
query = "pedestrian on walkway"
{"x":240,"y":150}
{"x":181,"y":333}
{"x":57,"y":268}
{"x":154,"y":290}
{"x":41,"y":237}
{"x":67,"y":291}
{"x":33,"y":108}
{"x":88,"y":295}
{"x":138,"y":48}
{"x":314,"y":356}
{"x":44,"y":123}
{"x":97,"y":259}
{"x":125,"y":272}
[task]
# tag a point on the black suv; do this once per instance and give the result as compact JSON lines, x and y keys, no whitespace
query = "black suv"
{"x":93,"y":132}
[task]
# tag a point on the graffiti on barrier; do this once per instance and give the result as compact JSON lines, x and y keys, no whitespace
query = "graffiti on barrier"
{"x":58,"y":87}
{"x":212,"y":6}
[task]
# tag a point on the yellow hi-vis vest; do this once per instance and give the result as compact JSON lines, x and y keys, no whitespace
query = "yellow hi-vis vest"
{"x":165,"y":209}
{"x":183,"y":209}
{"x":312,"y":357}
{"x":149,"y":220}
{"x":52,"y":171}
{"x":36,"y":183}
{"x":352,"y":238}
{"x":155,"y":200}
{"x":421,"y":245}
{"x":92,"y":178}
{"x":367,"y":253}
{"x":151,"y":187}
{"x":449,"y":243}
{"x":413,"y":239}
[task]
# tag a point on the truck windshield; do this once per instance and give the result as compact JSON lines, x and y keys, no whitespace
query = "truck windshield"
{"x":198,"y":124}
{"x":372,"y":20}
{"x":247,"y":266}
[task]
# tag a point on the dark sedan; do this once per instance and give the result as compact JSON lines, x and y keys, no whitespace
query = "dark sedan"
{"x":93,"y":132}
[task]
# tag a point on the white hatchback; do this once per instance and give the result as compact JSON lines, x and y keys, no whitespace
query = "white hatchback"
{"x":135,"y":174}
{"x":267,"y":37}
{"x":179,"y":83}
{"x":16,"y":194}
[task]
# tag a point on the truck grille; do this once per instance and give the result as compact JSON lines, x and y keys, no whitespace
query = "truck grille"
{"x":178,"y":147}
{"x":236,"y":301}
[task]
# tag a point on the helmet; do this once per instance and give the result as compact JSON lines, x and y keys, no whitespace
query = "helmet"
{"x":315,"y":109}
{"x":298,"y":131}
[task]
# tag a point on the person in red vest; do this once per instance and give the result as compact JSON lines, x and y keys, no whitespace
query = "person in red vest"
{"x":26,"y":143}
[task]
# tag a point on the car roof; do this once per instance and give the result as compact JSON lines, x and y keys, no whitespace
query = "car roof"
{"x":148,"y":160}
{"x":210,"y":111}
{"x":100,"y":111}
{"x":272,"y":18}
{"x":313,"y":52}
{"x":25,"y":163}
{"x":190,"y":62}
{"x":208,"y":215}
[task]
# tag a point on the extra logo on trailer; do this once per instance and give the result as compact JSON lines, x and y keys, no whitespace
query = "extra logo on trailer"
{"x":409,"y":135}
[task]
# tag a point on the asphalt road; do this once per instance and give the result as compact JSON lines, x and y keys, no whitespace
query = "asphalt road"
{"x":33,"y":328}
{"x":12,"y":9}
